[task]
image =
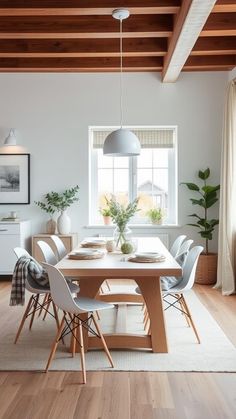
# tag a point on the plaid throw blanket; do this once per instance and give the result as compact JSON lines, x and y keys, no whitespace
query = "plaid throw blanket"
{"x":26,"y":266}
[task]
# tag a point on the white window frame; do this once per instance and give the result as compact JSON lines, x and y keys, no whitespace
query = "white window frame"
{"x":132,"y":190}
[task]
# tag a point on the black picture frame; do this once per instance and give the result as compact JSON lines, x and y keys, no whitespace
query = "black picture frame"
{"x":14,"y":179}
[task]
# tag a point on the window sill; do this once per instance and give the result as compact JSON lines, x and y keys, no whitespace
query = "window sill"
{"x":134,"y":226}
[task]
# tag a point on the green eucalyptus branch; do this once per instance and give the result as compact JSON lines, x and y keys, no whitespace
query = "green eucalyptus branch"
{"x":54,"y":201}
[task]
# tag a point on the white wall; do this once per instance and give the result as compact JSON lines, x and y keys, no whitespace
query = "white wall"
{"x":52,"y":112}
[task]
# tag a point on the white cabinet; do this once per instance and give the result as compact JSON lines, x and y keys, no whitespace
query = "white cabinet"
{"x":12,"y":234}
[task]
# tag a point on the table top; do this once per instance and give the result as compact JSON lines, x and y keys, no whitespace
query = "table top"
{"x":116,"y":264}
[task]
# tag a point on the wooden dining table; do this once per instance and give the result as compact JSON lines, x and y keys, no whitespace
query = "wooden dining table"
{"x":92,"y":274}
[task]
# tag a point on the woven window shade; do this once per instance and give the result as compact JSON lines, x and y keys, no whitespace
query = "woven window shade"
{"x":149,"y":138}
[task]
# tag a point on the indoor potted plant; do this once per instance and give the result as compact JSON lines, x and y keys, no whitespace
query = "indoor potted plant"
{"x":207,"y":196}
{"x":155,"y":215}
{"x":48,"y":206}
{"x":106,"y":213}
{"x":62,"y":201}
{"x":121,"y":215}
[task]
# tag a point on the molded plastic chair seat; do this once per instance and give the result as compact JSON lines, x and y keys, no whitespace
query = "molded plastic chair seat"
{"x":50,"y":258}
{"x":174,"y":250}
{"x":86,"y":305}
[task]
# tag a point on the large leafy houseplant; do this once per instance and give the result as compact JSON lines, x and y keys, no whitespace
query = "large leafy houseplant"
{"x":207,"y":197}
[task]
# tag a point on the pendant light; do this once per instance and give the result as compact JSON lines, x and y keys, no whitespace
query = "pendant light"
{"x":121,"y":142}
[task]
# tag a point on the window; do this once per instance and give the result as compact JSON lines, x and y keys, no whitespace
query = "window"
{"x":152,"y":176}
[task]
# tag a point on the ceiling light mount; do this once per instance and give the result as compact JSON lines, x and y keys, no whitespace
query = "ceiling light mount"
{"x":120,"y":14}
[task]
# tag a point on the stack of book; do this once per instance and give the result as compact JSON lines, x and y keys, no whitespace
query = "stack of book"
{"x":10,"y":219}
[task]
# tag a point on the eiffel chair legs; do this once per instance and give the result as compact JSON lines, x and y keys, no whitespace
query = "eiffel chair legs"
{"x":71,"y":325}
{"x":180,"y":304}
{"x":33,"y":306}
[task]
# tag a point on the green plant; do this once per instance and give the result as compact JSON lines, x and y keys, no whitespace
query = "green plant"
{"x":120,"y":214}
{"x":47,"y":206}
{"x":105,"y":212}
{"x":155,"y":215}
{"x":207,"y":198}
{"x":58,"y":202}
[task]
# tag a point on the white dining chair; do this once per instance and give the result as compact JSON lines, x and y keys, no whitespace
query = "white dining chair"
{"x":60,"y":247}
{"x":177,"y":293}
{"x":174,"y":250}
{"x":34,"y":304}
{"x":50,"y":257}
{"x":72,"y":309}
{"x":184,"y":248}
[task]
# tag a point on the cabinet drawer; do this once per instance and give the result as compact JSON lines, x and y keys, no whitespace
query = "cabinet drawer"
{"x":9,"y":229}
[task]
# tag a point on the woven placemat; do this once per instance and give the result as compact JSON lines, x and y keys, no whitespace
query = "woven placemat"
{"x":85,"y":257}
{"x":145,"y":260}
{"x":93,"y":245}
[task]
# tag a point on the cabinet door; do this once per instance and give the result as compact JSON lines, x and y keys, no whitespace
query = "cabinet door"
{"x":7,"y":255}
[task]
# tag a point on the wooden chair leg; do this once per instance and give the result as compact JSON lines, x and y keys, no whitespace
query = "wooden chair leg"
{"x":97,"y":313}
{"x":103,"y":341}
{"x":24,"y":318}
{"x":56,"y":318}
{"x":44,"y":302}
{"x":74,"y":323}
{"x":190,"y":319}
{"x":47,"y":306}
{"x":34,"y":311}
{"x":55,"y":343}
{"x":81,"y":339}
{"x":182,"y":306}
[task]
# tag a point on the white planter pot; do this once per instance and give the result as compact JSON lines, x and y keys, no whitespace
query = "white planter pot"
{"x":63,"y":223}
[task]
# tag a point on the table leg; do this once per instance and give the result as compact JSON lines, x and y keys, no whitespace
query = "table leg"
{"x":151,"y":291}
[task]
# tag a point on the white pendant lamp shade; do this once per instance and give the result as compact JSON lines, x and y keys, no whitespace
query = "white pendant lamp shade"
{"x":121,"y":142}
{"x":11,"y":138}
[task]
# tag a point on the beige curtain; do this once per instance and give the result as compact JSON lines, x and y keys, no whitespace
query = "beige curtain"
{"x":226,"y":275}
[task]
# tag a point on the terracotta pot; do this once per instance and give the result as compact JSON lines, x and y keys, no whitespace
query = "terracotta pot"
{"x":51,"y":226}
{"x":106,"y":220}
{"x":206,"y":273}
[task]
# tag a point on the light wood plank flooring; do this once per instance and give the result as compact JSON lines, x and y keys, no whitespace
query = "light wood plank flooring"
{"x":124,"y":395}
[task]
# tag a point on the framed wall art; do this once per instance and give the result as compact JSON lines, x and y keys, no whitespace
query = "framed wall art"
{"x":14,"y":179}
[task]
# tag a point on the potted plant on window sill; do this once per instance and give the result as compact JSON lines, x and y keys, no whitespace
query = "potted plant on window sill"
{"x":106,"y":213}
{"x":207,"y":266}
{"x":155,"y":215}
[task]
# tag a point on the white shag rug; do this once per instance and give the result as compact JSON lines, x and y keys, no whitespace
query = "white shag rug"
{"x":215,"y":353}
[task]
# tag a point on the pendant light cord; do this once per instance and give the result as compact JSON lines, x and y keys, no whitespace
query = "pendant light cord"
{"x":121,"y":74}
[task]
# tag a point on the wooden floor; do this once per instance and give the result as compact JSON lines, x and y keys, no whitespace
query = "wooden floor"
{"x":126,"y":395}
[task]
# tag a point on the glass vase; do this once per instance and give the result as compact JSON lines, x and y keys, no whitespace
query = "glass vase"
{"x":121,"y":235}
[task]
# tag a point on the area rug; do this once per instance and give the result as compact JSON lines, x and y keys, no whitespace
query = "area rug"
{"x":215,"y":353}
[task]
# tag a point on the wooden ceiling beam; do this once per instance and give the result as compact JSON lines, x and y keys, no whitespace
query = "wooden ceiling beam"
{"x":211,"y":61}
{"x":220,"y":24}
{"x":84,"y":27}
{"x":223,"y":6}
{"x":188,"y":25}
{"x":13,"y":4}
{"x":81,"y":63}
{"x":215,"y":46}
{"x":83,"y":47}
{"x":87,"y":12}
